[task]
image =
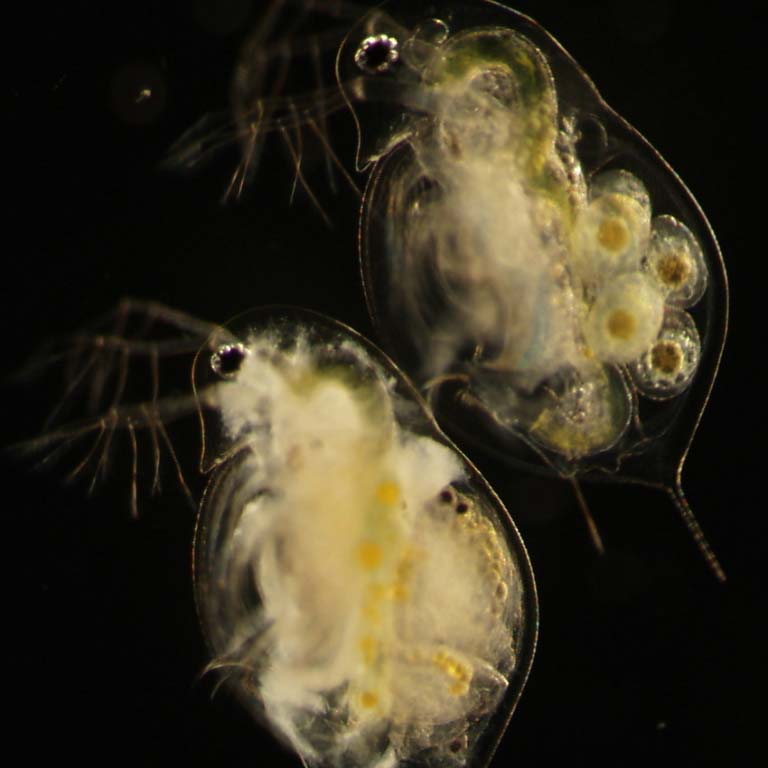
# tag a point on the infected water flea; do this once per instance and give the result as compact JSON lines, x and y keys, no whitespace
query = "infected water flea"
{"x":363,"y":591}
{"x":344,"y":599}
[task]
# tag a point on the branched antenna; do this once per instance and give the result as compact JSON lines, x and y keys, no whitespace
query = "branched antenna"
{"x":99,"y":367}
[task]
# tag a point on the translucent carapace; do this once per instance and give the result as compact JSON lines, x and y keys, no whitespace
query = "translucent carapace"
{"x":363,"y":590}
{"x":527,"y":255}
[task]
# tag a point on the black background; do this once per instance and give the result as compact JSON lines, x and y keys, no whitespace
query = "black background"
{"x":642,"y":656}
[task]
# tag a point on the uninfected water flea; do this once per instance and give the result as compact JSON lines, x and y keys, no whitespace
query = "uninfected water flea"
{"x":528,"y":258}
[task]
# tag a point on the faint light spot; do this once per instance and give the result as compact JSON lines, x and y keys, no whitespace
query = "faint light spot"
{"x":138,"y":92}
{"x":59,"y":82}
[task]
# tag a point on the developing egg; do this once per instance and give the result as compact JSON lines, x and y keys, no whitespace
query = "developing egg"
{"x":676,"y":262}
{"x":667,"y":368}
{"x":610,"y":237}
{"x":625,"y":319}
{"x":363,"y":590}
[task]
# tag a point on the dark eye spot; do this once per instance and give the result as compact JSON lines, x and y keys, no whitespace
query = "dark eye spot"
{"x":227,"y":359}
{"x":377,"y":54}
{"x":462,"y":508}
{"x":446,"y":496}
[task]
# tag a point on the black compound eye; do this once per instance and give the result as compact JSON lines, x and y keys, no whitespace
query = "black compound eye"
{"x":227,"y":359}
{"x":377,"y":54}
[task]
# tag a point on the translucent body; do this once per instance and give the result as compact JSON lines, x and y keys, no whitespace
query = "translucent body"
{"x":505,"y":244}
{"x":528,"y":257}
{"x":362,"y":589}
{"x":526,"y":254}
